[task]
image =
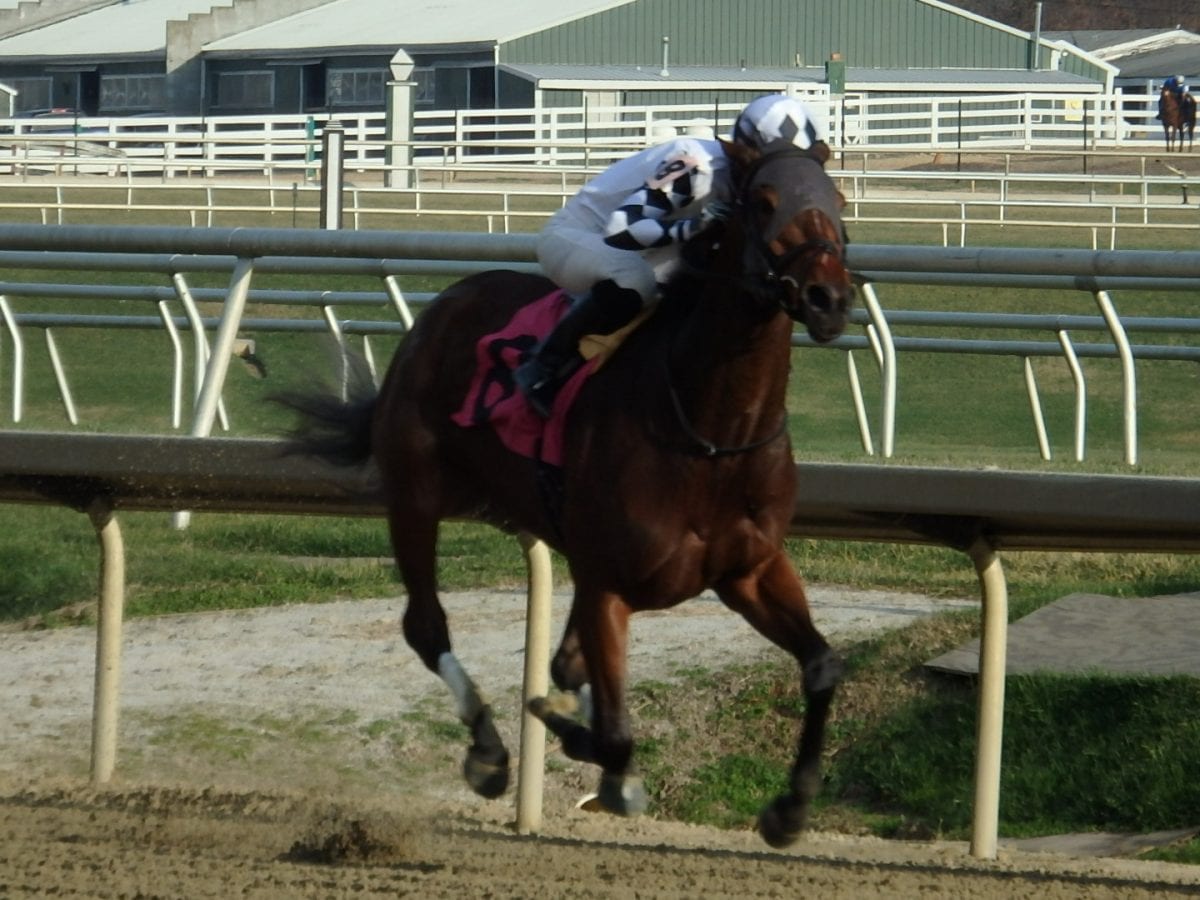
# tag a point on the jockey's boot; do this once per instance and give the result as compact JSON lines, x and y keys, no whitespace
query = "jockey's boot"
{"x":602,"y":311}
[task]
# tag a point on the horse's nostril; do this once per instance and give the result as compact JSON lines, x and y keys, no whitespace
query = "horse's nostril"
{"x":820,"y":298}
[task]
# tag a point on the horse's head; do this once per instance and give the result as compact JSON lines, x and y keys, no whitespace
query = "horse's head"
{"x":794,"y":244}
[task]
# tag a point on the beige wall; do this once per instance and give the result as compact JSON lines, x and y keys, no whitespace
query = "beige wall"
{"x":37,"y":13}
{"x":185,"y":38}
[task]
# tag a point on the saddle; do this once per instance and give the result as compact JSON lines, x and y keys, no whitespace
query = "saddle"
{"x":492,"y":398}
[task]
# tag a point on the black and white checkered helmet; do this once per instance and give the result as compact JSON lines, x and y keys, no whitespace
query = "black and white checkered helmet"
{"x":773,"y":118}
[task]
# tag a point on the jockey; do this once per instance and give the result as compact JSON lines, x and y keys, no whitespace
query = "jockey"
{"x":620,"y":236}
{"x":1176,"y":85}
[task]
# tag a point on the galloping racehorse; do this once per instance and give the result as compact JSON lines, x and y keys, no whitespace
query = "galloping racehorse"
{"x":1178,"y":114}
{"x":676,"y":469}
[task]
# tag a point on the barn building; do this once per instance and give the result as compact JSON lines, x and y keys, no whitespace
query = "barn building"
{"x":256,"y":57}
{"x":1143,"y":57}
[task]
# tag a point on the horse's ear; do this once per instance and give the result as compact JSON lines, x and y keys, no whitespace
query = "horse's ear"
{"x":820,"y":152}
{"x":741,"y":157}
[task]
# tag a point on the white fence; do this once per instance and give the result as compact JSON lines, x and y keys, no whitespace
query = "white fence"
{"x":931,"y":203}
{"x":574,"y":135}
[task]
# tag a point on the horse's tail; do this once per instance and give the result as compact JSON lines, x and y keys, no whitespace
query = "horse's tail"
{"x":335,"y":426}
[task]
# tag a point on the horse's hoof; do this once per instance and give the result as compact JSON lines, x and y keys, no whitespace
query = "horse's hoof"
{"x":622,"y":794}
{"x":590,"y":803}
{"x":540,"y":707}
{"x":781,"y":822}
{"x":555,"y":705}
{"x":487,"y":777}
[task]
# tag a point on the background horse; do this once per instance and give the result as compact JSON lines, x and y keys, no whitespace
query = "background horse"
{"x":1178,"y":115}
{"x":677,"y":474}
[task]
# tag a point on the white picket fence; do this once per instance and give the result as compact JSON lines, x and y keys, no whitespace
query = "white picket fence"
{"x":569,"y":135}
{"x":1098,"y":209}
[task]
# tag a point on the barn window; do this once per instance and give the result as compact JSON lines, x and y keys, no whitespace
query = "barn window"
{"x":32,"y":93}
{"x":356,"y":87}
{"x":425,"y":79}
{"x":119,"y":93}
{"x":246,"y":90}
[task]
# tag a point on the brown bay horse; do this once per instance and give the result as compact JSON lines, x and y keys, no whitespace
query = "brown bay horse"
{"x":1178,"y":115}
{"x":677,"y":477}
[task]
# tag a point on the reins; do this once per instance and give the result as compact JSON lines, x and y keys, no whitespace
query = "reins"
{"x":753,"y":282}
{"x":707,"y":447}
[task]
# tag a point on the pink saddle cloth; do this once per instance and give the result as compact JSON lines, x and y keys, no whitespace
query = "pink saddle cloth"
{"x":492,"y":398}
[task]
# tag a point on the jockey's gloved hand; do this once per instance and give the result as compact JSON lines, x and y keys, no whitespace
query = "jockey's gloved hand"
{"x":708,"y":223}
{"x":717,"y":211}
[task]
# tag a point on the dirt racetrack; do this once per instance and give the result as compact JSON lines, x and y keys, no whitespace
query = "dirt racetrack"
{"x":256,"y":762}
{"x":171,"y":843}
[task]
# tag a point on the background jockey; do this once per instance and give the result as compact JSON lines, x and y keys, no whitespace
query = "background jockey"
{"x":1175,"y":84}
{"x":620,"y":236}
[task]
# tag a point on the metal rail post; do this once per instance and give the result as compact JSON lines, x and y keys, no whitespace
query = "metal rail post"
{"x":218,"y":361}
{"x":1035,"y":405}
{"x":860,"y":409}
{"x":60,"y":376}
{"x":993,"y":649}
{"x":887,"y":349}
{"x":1128,"y":373}
{"x":108,"y":640}
{"x":200,"y":348}
{"x":18,"y":366}
{"x":532,"y":765}
{"x":333,"y":139}
{"x":1077,"y":376}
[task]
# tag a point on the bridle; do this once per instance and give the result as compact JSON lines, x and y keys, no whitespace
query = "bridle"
{"x":772,"y":262}
{"x":767,"y":278}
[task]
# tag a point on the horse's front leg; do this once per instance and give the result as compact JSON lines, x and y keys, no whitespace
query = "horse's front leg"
{"x":568,"y":671}
{"x":568,"y":714}
{"x":599,"y":624}
{"x":773,"y":600}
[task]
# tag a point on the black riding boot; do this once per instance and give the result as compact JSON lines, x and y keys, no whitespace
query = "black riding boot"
{"x":604,"y":310}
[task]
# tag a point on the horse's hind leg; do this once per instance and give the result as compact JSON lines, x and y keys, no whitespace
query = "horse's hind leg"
{"x":774,"y":602}
{"x":414,"y":540}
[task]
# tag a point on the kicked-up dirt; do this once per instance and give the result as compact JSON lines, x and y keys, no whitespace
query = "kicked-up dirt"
{"x":160,"y":842}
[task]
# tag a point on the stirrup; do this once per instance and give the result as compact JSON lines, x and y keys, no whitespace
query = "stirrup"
{"x":538,"y":384}
{"x":541,"y":379}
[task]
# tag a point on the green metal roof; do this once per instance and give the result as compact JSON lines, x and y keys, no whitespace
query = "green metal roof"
{"x":552,"y":76}
{"x":901,"y":33}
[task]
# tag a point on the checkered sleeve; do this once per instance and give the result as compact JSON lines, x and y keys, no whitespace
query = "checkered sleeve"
{"x":649,"y":216}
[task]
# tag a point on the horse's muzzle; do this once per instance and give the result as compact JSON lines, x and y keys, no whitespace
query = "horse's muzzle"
{"x":823,"y":307}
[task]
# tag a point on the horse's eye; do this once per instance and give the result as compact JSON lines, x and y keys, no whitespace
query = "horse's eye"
{"x":763,"y":207}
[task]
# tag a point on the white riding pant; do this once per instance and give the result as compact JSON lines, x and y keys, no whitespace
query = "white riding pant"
{"x":576,"y":258}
